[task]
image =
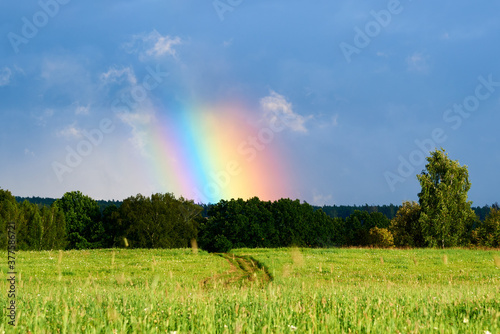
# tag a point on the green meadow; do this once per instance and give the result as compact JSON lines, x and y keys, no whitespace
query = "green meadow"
{"x":256,"y":291}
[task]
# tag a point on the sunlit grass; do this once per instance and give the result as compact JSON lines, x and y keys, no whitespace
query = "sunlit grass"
{"x":313,"y":290}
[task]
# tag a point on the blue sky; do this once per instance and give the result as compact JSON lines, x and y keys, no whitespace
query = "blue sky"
{"x":358,"y":114}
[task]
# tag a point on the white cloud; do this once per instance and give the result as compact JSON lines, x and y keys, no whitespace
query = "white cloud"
{"x":82,"y":110}
{"x":321,"y":199}
{"x":70,"y":132}
{"x":139,"y":122}
{"x":63,"y":70}
{"x":335,"y":120}
{"x":5,"y":74}
{"x":115,"y":75}
{"x":277,"y":109}
{"x":29,"y":152}
{"x":417,"y":62}
{"x":163,"y":45}
{"x":153,"y":44}
{"x":42,"y":118}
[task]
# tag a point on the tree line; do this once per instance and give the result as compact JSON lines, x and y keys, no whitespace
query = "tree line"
{"x":76,"y":221}
{"x":443,"y":217}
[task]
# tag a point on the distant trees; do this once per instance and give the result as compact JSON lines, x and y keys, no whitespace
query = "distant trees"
{"x":445,"y":210}
{"x":442,"y":218}
{"x":282,"y":223}
{"x":357,"y":227}
{"x":36,"y":229}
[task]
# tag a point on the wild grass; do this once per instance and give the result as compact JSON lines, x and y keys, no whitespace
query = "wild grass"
{"x":312,"y":291}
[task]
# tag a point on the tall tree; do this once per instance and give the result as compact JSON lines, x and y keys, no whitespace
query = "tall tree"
{"x":445,"y":210}
{"x":83,"y":220}
{"x":53,"y":228}
{"x":8,"y":214}
{"x":114,"y":229}
{"x":159,"y":221}
{"x":32,"y":239}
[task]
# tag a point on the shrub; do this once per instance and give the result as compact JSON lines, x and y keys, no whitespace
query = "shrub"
{"x":381,"y":237}
{"x":222,"y":244}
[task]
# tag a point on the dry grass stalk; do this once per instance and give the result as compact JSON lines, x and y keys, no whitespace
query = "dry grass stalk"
{"x":497,"y":261}
{"x":194,"y":246}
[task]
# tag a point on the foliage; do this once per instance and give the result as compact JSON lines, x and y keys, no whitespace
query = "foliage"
{"x":381,"y":238}
{"x":83,"y":220}
{"x":8,"y":213}
{"x":488,"y":233}
{"x":255,"y":223}
{"x":405,"y":227}
{"x":445,"y":210}
{"x":344,"y":211}
{"x":357,"y":227}
{"x":221,"y":244}
{"x":159,"y":221}
{"x":163,"y":221}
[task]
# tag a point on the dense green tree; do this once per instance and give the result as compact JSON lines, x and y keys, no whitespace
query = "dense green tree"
{"x":189,"y":212}
{"x":83,"y":220}
{"x":445,"y":210}
{"x":32,"y":237}
{"x":256,"y":223}
{"x":114,"y":228}
{"x":488,"y":233}
{"x":8,"y":214}
{"x":159,"y":221}
{"x":228,"y":219}
{"x":405,"y":226}
{"x":292,"y":221}
{"x":53,"y":228}
{"x":357,"y":227}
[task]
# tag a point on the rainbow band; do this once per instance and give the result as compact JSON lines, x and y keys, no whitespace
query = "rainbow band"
{"x":209,"y":154}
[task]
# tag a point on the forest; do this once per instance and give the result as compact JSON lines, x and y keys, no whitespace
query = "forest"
{"x":443,"y":217}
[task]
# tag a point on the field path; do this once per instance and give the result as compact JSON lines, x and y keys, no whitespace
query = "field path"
{"x":244,"y":270}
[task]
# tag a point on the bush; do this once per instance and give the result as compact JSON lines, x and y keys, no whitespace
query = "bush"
{"x":222,"y":244}
{"x":381,"y":237}
{"x":488,"y":233}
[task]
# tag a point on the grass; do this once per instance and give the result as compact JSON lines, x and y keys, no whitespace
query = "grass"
{"x":256,"y":291}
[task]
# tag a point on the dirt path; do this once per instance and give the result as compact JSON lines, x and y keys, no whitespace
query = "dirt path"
{"x":243,"y":271}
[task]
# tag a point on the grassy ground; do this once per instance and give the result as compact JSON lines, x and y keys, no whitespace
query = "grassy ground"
{"x":255,"y":291}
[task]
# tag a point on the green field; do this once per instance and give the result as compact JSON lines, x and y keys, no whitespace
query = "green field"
{"x":256,"y":291}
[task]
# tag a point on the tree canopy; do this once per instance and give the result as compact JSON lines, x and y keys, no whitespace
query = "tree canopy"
{"x":445,"y":209}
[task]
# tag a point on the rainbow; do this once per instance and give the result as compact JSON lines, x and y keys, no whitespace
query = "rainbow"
{"x":209,"y":153}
